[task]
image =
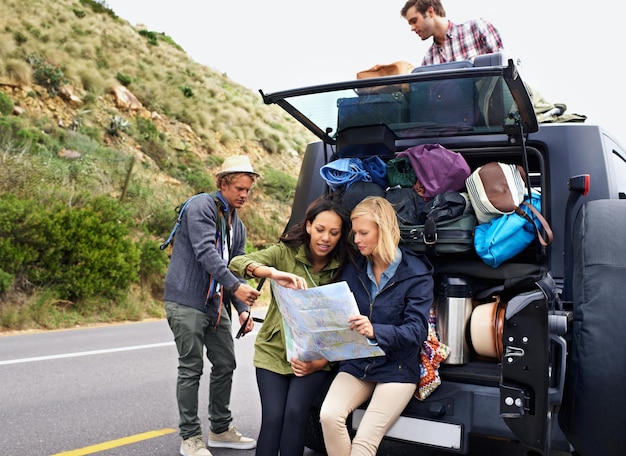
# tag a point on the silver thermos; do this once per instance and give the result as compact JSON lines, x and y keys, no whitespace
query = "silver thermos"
{"x":453,"y":309}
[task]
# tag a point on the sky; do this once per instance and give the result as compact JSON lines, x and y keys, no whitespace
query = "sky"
{"x":570,"y":51}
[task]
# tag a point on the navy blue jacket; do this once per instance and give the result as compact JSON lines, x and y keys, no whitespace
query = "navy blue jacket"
{"x":399,"y":315}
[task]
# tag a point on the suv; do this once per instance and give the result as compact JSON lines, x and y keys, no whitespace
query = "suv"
{"x":557,"y":385}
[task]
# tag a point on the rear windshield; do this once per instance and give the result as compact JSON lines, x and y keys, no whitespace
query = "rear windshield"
{"x":469,"y":101}
{"x":424,"y":108}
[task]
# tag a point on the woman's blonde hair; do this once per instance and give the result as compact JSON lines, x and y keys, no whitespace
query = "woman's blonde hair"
{"x":382,"y":213}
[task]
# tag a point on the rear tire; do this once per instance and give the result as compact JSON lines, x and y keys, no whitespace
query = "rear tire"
{"x":592,"y":414}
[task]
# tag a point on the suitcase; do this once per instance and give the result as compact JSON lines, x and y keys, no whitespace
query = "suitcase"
{"x":449,"y":102}
{"x":372,"y":109}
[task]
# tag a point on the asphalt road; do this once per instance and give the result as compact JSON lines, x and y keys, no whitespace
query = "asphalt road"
{"x":80,"y":391}
{"x":110,"y":390}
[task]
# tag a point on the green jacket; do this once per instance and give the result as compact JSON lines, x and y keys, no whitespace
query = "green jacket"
{"x":270,"y":352}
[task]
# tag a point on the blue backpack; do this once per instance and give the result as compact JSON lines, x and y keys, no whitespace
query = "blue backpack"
{"x":507,"y":235}
{"x":222,"y":222}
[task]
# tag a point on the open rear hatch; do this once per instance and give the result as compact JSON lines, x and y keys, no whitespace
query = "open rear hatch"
{"x":451,"y":99}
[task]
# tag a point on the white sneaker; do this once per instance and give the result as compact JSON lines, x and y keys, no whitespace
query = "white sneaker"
{"x":194,"y":446}
{"x":231,"y":438}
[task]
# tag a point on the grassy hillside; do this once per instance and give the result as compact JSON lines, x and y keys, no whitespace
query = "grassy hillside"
{"x":102,"y":121}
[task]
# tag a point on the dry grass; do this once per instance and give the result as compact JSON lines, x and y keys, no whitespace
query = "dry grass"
{"x":7,"y":45}
{"x":18,"y":71}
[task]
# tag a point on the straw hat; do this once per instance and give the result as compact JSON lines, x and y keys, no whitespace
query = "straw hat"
{"x":486,"y":327}
{"x":236,"y":164}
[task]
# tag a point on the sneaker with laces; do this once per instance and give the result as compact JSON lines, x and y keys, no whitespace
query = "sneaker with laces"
{"x":231,"y":438}
{"x":194,"y":446}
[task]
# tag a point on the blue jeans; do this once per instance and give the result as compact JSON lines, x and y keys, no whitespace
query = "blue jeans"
{"x":193,"y":332}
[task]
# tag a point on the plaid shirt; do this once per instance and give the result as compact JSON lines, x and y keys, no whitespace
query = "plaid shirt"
{"x":464,"y":42}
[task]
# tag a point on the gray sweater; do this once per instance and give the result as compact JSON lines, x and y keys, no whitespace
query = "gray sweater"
{"x":195,"y":257}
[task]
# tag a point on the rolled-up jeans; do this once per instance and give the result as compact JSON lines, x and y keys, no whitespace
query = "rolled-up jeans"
{"x":193,"y":331}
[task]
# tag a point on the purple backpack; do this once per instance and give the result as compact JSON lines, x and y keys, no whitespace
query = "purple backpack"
{"x":438,"y":169}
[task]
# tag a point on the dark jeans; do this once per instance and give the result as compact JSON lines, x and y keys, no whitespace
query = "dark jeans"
{"x":192,"y":333}
{"x":285,"y":403}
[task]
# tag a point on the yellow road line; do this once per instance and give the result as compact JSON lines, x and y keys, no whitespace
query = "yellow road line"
{"x":116,"y":443}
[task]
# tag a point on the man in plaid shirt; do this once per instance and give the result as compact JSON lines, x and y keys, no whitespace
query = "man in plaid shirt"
{"x":451,"y":42}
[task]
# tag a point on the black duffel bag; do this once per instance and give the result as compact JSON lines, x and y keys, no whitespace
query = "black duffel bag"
{"x":448,"y":226}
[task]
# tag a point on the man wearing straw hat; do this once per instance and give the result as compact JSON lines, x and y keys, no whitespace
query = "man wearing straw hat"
{"x":199,"y":290}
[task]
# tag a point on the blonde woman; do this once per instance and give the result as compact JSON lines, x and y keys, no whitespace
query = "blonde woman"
{"x":394,"y":291}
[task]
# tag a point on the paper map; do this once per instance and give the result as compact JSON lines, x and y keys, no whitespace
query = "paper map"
{"x":316,"y":325}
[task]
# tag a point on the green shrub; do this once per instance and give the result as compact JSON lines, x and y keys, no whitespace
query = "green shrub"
{"x":147,"y":129}
{"x":6,"y":280}
{"x":46,"y":74}
{"x":196,"y":174}
{"x":99,"y":6}
{"x":11,"y":316}
{"x":162,"y":219}
{"x":279,"y":185}
{"x":19,"y":236}
{"x":124,"y":79}
{"x":101,"y":259}
{"x":6,"y":104}
{"x":17,"y":136}
{"x":187,"y":92}
{"x":153,"y":262}
{"x":150,"y":36}
{"x":19,"y":37}
{"x":169,"y":40}
{"x":34,"y":31}
{"x":77,"y":252}
{"x":200,"y":181}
